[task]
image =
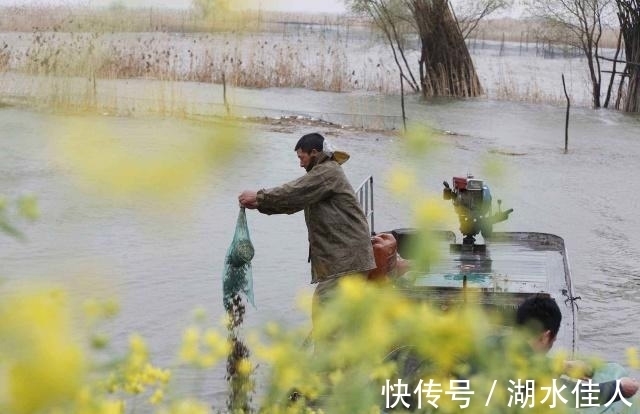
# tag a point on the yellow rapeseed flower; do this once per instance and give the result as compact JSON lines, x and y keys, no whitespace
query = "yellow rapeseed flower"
{"x":110,"y":162}
{"x":272,"y":328}
{"x":336,"y":377}
{"x":199,"y":314}
{"x":112,"y":407}
{"x":96,"y":310}
{"x":287,"y":375}
{"x":156,"y":397}
{"x":203,"y":350}
{"x":28,"y":207}
{"x":186,"y":407}
{"x":152,"y":375}
{"x":244,"y":367}
{"x":34,"y":326}
{"x":352,"y":289}
{"x":304,"y":301}
{"x":558,"y":361}
{"x":430,"y":212}
{"x":138,"y":353}
{"x":189,"y":350}
{"x":419,"y":140}
{"x":402,"y":181}
{"x":217,"y":345}
{"x":99,"y":341}
{"x":632,"y":358}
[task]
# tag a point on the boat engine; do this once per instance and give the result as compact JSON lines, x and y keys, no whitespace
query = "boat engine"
{"x":472,"y":201}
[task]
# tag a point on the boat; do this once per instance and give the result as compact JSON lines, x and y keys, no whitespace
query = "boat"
{"x":496,"y":269}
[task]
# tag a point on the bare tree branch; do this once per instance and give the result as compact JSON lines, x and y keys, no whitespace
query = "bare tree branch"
{"x":578,"y":23}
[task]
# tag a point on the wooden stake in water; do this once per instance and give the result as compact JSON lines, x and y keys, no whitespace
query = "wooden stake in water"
{"x":224,"y":94}
{"x":566,"y":126}
{"x":404,"y":116}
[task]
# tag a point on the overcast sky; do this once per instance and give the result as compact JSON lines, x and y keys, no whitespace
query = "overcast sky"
{"x":334,"y":6}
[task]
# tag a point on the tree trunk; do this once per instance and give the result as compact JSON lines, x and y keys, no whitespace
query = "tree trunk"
{"x":632,"y":103}
{"x":629,"y":17}
{"x":446,"y":68}
{"x":613,"y":70}
{"x":595,"y":84}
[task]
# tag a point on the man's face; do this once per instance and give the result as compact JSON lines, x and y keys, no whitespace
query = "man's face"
{"x":306,"y":158}
{"x":544,"y":342}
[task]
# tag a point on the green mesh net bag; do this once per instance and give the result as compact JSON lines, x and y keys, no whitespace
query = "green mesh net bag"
{"x":237,"y":276}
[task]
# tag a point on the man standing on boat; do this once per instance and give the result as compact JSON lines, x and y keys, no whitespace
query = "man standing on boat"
{"x":339,"y":236}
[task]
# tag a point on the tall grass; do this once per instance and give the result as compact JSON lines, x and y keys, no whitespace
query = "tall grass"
{"x":250,"y":49}
{"x":5,"y":55}
{"x":310,"y":61}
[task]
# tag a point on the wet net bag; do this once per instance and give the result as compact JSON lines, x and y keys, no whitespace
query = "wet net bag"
{"x":237,"y":276}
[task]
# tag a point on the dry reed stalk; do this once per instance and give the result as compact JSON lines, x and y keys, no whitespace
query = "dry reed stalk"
{"x":507,"y":89}
{"x":5,"y":57}
{"x":95,"y":55}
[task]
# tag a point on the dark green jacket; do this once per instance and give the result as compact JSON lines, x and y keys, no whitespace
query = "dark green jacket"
{"x":339,"y":237}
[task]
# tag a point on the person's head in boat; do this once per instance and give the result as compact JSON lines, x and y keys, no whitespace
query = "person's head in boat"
{"x":541,"y":316}
{"x":313,"y":148}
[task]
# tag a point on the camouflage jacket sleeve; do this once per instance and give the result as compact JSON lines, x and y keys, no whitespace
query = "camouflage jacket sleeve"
{"x":295,"y":195}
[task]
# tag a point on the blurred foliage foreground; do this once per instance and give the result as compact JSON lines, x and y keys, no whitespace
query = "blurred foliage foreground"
{"x":452,"y":365}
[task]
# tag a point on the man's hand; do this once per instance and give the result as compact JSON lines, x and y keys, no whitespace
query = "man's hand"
{"x":628,"y":386}
{"x":248,"y":199}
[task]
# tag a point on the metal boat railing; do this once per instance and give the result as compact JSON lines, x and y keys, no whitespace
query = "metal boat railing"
{"x":364,"y":194}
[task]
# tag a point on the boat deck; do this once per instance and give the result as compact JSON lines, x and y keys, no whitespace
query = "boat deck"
{"x":500,"y":273}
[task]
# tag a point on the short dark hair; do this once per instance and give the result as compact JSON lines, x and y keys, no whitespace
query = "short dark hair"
{"x":539,"y":312}
{"x":309,"y":142}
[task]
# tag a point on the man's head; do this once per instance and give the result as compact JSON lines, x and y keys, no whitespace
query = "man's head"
{"x":308,"y":148}
{"x":541,"y":315}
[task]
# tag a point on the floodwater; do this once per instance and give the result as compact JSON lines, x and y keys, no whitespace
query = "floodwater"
{"x":161,"y":259}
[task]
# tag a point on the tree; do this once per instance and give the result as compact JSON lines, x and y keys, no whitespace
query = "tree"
{"x":445,"y":66}
{"x":393,"y":19}
{"x":578,"y":23}
{"x":470,"y":13}
{"x":629,"y":18}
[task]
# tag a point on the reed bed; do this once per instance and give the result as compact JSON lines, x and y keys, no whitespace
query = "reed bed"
{"x":326,"y":53}
{"x":310,"y":61}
